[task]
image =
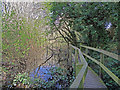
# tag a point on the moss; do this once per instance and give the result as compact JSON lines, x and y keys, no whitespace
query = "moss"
{"x":78,"y":68}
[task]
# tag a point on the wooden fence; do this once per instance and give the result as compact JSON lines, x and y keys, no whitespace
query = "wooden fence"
{"x":101,"y":63}
{"x":79,"y":81}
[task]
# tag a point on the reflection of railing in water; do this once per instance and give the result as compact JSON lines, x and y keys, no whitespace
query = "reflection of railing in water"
{"x":55,"y":55}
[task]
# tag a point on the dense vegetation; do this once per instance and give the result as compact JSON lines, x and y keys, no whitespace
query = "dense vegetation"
{"x":93,"y":24}
{"x":20,"y":36}
{"x":89,"y":19}
{"x":25,"y":46}
{"x":26,"y":35}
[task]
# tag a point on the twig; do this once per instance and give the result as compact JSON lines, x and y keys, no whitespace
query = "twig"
{"x":44,"y":62}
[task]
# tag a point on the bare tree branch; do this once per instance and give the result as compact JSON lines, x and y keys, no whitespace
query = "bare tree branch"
{"x":44,"y":62}
{"x":61,"y":33}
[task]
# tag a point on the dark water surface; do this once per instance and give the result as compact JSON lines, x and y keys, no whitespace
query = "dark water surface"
{"x":43,"y":73}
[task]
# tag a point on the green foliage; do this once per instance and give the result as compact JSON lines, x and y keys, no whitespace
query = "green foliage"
{"x":14,"y":36}
{"x":58,"y":76}
{"x":111,"y":64}
{"x":21,"y":78}
{"x":19,"y":35}
{"x":89,"y":19}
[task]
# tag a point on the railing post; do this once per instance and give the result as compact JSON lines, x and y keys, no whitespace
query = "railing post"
{"x":86,"y":52}
{"x":76,"y":56}
{"x":101,"y":61}
{"x":73,"y":62}
{"x":70,"y":56}
{"x":76,"y":60}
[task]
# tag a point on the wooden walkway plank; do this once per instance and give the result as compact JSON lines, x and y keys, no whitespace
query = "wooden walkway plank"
{"x":93,"y":81}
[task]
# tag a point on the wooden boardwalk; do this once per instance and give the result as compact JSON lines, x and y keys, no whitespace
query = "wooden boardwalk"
{"x":93,"y":81}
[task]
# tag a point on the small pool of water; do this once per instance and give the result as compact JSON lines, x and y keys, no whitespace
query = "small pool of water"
{"x":43,"y":73}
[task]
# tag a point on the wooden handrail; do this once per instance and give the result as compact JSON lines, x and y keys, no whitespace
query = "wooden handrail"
{"x":113,"y":76}
{"x":113,"y":55}
{"x":76,"y":83}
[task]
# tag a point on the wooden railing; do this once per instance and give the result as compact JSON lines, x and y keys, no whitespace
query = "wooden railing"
{"x":101,"y":63}
{"x":79,"y":81}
